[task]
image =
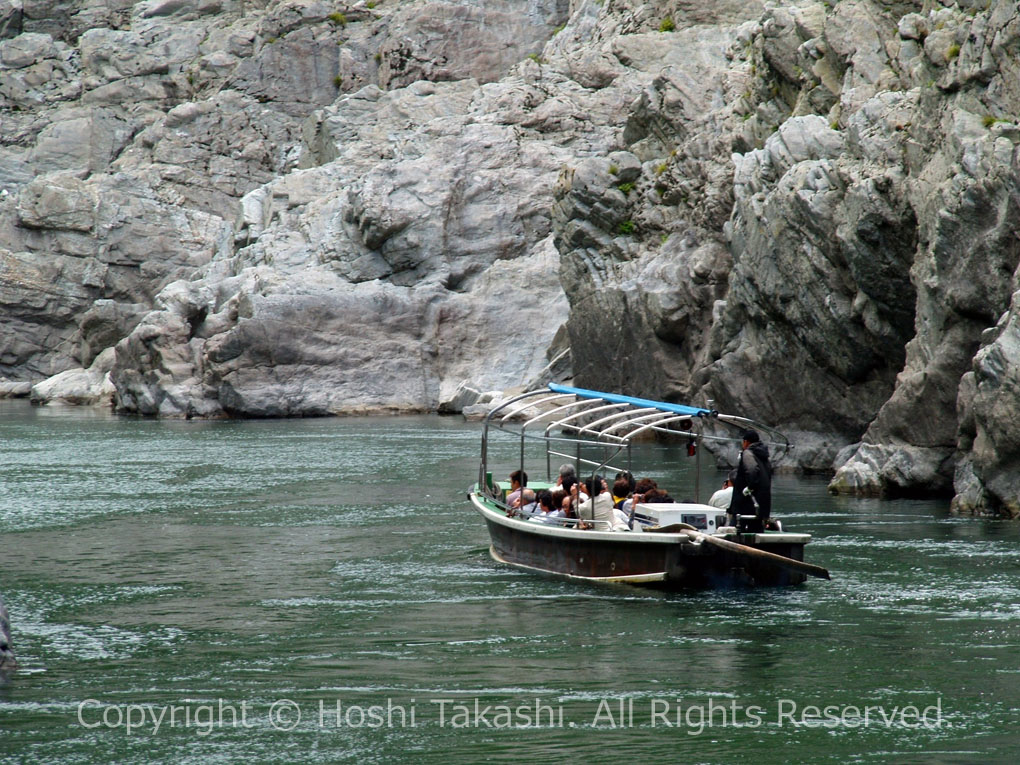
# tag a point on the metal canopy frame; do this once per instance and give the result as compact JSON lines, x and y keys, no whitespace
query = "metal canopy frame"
{"x":619,"y":420}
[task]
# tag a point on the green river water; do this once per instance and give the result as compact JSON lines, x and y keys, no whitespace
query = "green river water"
{"x":320,"y":591}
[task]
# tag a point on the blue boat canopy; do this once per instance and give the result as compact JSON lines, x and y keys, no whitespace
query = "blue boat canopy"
{"x":616,"y":398}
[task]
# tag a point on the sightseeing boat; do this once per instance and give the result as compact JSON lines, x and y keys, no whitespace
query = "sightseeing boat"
{"x":668,"y":545}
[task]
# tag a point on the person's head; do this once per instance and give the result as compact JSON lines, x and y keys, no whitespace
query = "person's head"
{"x":593,"y":485}
{"x":621,"y":488}
{"x":644,"y":485}
{"x":627,"y":476}
{"x":545,"y":501}
{"x":567,"y":470}
{"x":730,"y":478}
{"x":527,"y":497}
{"x":518,"y":478}
{"x":750,"y":437}
{"x":568,"y":483}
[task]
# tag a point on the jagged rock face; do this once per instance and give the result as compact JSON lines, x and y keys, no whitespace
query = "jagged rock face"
{"x":820,"y":300}
{"x":6,"y":650}
{"x":457,"y":41}
{"x":987,"y":477}
{"x":144,"y":142}
{"x":806,"y":212}
{"x":963,"y":190}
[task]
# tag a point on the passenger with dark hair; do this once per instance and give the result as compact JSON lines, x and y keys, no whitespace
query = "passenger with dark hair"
{"x":571,"y":499}
{"x":657,"y":496}
{"x":518,"y":480}
{"x":752,"y":485}
{"x":623,"y":486}
{"x":567,"y":506}
{"x":642,"y":486}
{"x":621,"y":490}
{"x":569,"y":484}
{"x":557,"y":497}
{"x":548,"y":511}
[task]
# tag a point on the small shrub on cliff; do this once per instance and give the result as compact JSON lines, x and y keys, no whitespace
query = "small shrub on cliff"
{"x":667,"y":25}
{"x":988,"y":121}
{"x":613,"y":169}
{"x":626,"y":227}
{"x":953,"y":52}
{"x":338,"y":80}
{"x":535,"y":57}
{"x":370,"y":4}
{"x":626,"y":187}
{"x":338,"y":18}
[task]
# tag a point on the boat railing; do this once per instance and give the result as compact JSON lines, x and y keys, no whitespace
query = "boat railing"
{"x":566,"y":522}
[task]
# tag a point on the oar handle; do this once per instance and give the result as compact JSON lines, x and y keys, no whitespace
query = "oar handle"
{"x":754,"y":552}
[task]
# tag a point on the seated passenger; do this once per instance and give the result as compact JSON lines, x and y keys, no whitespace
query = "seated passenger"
{"x":566,"y":471}
{"x":621,"y":490}
{"x":526,"y":504}
{"x":724,"y":496}
{"x":548,"y":512}
{"x":568,"y":487}
{"x":657,"y":495}
{"x":640,"y":488}
{"x":622,"y":520}
{"x":557,"y":497}
{"x":567,"y":506}
{"x":599,"y":508}
{"x":623,"y":487}
{"x":518,"y":480}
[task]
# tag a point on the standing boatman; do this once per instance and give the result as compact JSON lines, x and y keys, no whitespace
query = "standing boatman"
{"x":752,"y":486}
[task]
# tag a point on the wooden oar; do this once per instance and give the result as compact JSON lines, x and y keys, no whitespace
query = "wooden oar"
{"x":754,"y":552}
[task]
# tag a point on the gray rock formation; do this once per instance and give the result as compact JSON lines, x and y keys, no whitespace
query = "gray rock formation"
{"x":805,"y":211}
{"x":7,"y":661}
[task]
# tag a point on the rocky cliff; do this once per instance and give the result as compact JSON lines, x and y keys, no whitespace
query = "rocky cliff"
{"x":7,"y":660}
{"x":805,"y":211}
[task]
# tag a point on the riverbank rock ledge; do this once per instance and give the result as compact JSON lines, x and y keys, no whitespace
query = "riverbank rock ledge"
{"x":806,"y":212}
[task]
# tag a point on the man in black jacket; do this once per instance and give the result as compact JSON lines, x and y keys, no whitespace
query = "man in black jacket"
{"x":752,"y":487}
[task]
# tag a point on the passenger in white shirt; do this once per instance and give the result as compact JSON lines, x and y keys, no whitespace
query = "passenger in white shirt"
{"x":724,"y":496}
{"x":599,"y":508}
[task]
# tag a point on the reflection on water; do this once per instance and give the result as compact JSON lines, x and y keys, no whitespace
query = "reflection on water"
{"x":317,"y":561}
